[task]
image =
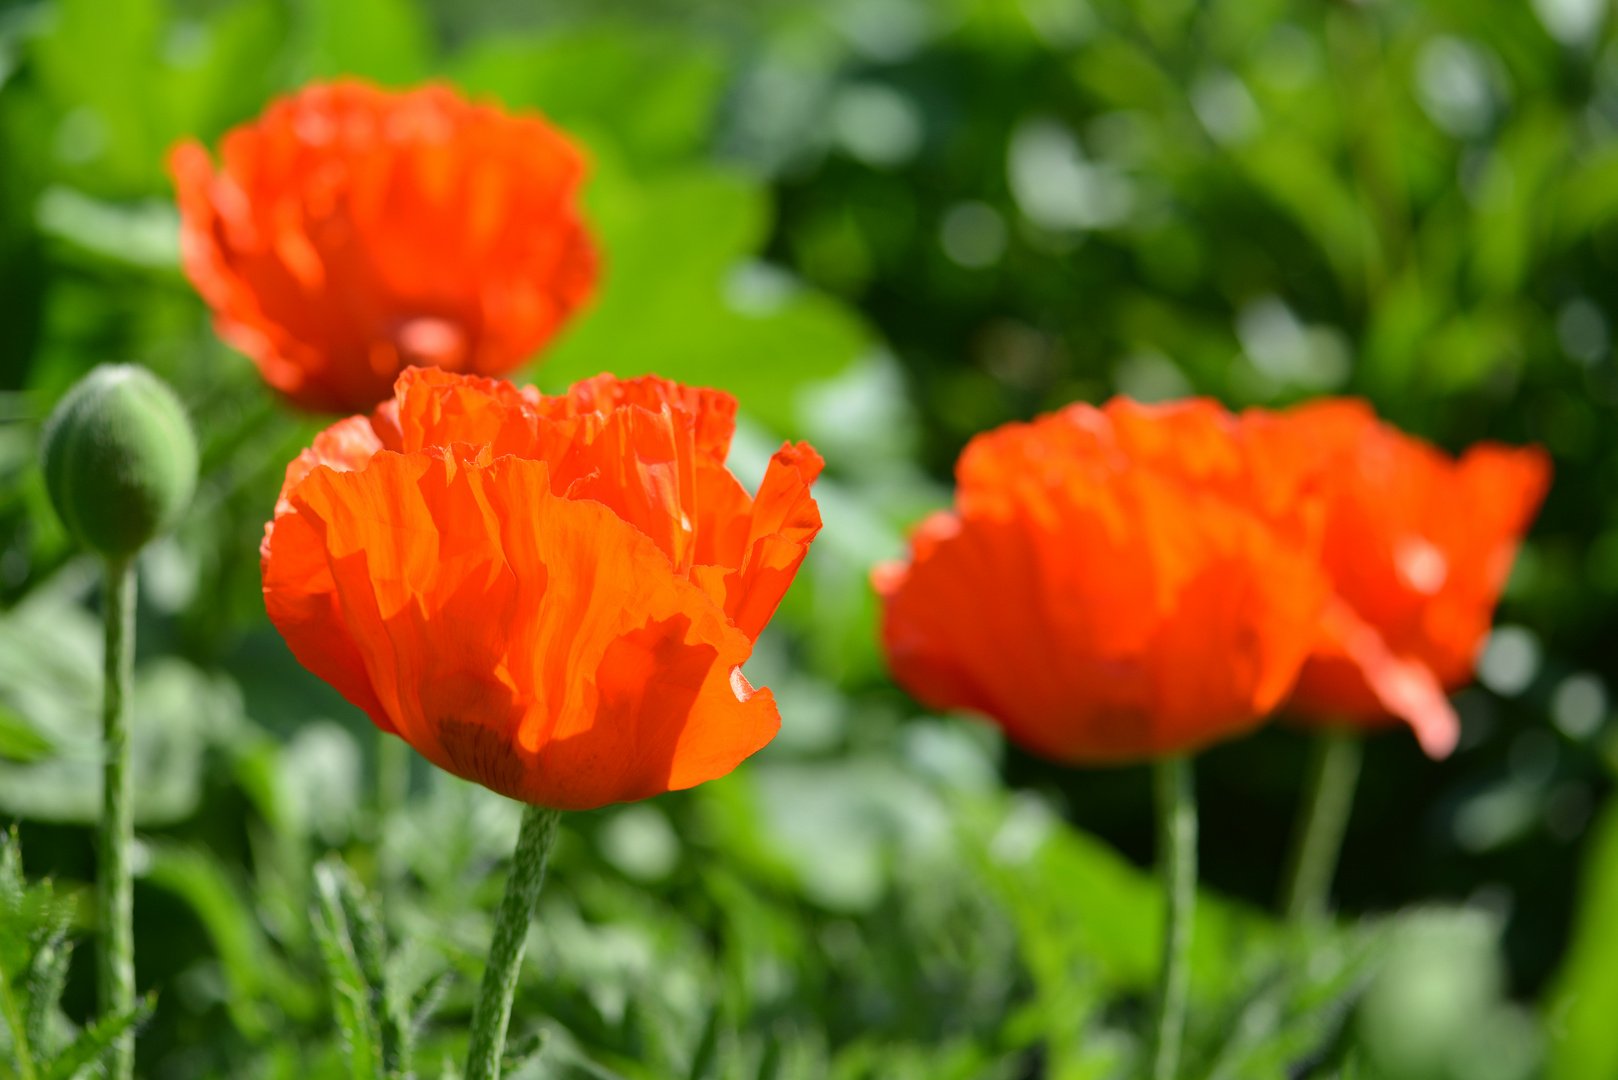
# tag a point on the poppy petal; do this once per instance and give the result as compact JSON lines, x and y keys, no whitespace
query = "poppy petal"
{"x":299,"y":591}
{"x":539,"y":645}
{"x":1418,"y":546}
{"x":785,"y":519}
{"x":346,"y":445}
{"x":643,"y":470}
{"x":712,"y":413}
{"x":1403,"y":687}
{"x":351,"y":231}
{"x":1098,"y":609}
{"x":724,"y":516}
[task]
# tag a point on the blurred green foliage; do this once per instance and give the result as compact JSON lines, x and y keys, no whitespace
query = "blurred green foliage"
{"x":884,"y":225}
{"x":34,"y":955}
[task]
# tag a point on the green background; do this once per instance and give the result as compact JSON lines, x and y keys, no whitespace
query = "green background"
{"x":884,"y":225}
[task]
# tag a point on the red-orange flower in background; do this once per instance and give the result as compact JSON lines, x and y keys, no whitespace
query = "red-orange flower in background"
{"x":1418,"y":546}
{"x":1113,"y":584}
{"x":552,"y":597}
{"x":353,"y":231}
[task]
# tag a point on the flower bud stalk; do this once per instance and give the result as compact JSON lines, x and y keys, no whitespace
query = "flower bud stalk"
{"x":115,"y":942}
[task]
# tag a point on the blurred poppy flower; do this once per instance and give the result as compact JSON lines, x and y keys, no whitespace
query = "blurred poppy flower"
{"x":1113,"y":584}
{"x":353,"y":231}
{"x":551,"y":596}
{"x":1418,"y":546}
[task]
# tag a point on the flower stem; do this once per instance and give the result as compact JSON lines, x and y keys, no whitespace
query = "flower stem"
{"x":1334,"y":769}
{"x":1174,"y":787}
{"x":493,"y":1011}
{"x":115,"y":941}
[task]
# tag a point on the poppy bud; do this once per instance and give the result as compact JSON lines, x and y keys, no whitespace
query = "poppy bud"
{"x":120,"y":459}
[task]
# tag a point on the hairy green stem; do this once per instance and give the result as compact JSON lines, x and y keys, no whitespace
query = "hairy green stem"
{"x":115,"y":940}
{"x":1334,"y":769}
{"x":1174,"y":787}
{"x":493,"y":1011}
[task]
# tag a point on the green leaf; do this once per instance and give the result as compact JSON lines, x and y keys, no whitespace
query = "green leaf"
{"x":520,"y":1051}
{"x":1303,"y":183}
{"x":47,"y":977}
{"x":652,"y":90}
{"x":563,"y":1058}
{"x":1530,"y":157}
{"x":94,"y":1041}
{"x":16,"y":1027}
{"x":19,"y":740}
{"x":426,"y":1000}
{"x":702,"y":1058}
{"x":255,"y":976}
{"x":364,"y":928}
{"x":145,"y":234}
{"x":50,"y":660}
{"x":681,"y":296}
{"x":1435,"y":1006}
{"x":388,"y":41}
{"x":1086,"y":914}
{"x":1584,"y":997}
{"x":125,"y":78}
{"x":391,"y":983}
{"x":1295,"y":1012}
{"x":34,"y":954}
{"x":350,"y":991}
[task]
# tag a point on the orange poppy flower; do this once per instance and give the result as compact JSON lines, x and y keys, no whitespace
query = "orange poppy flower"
{"x":1113,"y":584}
{"x":1418,"y":546}
{"x":552,"y":597}
{"x":353,"y":231}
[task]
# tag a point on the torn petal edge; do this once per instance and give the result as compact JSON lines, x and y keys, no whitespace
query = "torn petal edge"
{"x":1405,"y":687}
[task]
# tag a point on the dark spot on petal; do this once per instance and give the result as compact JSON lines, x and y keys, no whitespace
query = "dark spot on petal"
{"x":483,"y":755}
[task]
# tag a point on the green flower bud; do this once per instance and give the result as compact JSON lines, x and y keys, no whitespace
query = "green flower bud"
{"x":120,"y":459}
